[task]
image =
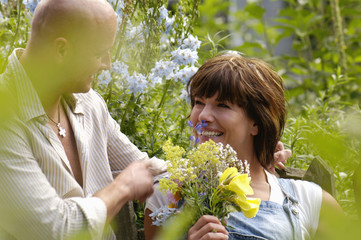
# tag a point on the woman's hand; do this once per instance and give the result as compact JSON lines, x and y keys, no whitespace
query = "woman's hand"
{"x":280,"y":157}
{"x":207,"y":227}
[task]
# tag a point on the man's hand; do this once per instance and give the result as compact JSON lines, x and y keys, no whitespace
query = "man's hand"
{"x":138,"y":179}
{"x":280,"y":157}
{"x":134,"y":183}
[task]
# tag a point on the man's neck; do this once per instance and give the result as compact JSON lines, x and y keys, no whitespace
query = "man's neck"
{"x":43,"y":82}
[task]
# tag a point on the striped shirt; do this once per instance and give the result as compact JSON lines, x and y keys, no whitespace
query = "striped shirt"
{"x":39,"y":196}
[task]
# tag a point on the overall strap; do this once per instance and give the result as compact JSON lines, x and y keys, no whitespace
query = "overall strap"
{"x":290,"y":206}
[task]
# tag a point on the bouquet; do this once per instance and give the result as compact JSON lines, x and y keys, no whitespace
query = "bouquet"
{"x":209,"y":180}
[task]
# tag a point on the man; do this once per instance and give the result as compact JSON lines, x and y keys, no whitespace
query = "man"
{"x":60,"y":146}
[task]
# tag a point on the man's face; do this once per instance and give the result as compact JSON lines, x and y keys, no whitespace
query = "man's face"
{"x":89,"y":55}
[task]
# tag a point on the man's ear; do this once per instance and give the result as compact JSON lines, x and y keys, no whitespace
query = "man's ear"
{"x":61,"y":49}
{"x":254,"y":129}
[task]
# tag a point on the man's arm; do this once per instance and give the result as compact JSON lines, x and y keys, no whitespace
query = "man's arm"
{"x":30,"y":207}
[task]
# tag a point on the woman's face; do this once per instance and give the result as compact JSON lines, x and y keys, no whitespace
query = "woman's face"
{"x":226,"y":123}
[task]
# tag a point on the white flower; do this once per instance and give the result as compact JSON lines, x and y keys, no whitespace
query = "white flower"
{"x":185,"y":74}
{"x":169,"y":24}
{"x":342,"y":175}
{"x":184,"y":56}
{"x":161,"y":215}
{"x":137,"y":83}
{"x":163,"y":68}
{"x":120,"y":68}
{"x":163,"y":14}
{"x":184,"y":96}
{"x":31,"y":4}
{"x":153,"y":80}
{"x":191,"y":42}
{"x":104,"y":77}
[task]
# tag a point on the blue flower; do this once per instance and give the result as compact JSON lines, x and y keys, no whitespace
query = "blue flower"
{"x":185,"y":74}
{"x":163,"y":14}
{"x":191,"y":138}
{"x":184,"y":56}
{"x":104,"y":77}
{"x":191,"y":42}
{"x":160,"y":215}
{"x":120,"y":68}
{"x":137,"y":83}
{"x":154,"y":80}
{"x":31,"y":4}
{"x":169,"y":24}
{"x":190,"y":124}
{"x":199,"y":127}
{"x":163,"y":68}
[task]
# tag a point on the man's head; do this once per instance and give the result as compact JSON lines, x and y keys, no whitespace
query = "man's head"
{"x":72,"y":39}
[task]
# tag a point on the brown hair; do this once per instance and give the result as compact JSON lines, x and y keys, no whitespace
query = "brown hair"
{"x":253,"y":85}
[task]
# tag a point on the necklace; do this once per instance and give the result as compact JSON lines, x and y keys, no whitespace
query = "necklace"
{"x":62,"y":131}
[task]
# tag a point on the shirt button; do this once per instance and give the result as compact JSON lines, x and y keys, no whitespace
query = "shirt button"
{"x":294,"y":211}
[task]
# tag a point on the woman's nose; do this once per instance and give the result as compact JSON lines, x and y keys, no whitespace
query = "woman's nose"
{"x":207,"y":114}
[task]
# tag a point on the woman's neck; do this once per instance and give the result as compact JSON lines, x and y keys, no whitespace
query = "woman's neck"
{"x":259,"y":181}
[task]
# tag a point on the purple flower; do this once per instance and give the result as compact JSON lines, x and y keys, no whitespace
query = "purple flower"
{"x":190,"y":124}
{"x":191,"y":138}
{"x":198,"y":140}
{"x":199,"y":127}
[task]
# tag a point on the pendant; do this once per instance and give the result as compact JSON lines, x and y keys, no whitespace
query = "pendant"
{"x":62,"y":131}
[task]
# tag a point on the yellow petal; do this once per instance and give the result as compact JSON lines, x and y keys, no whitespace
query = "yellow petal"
{"x":249,"y":207}
{"x":240,"y":185}
{"x":228,"y":173}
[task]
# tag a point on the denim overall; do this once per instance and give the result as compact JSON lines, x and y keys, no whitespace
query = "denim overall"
{"x":273,"y":221}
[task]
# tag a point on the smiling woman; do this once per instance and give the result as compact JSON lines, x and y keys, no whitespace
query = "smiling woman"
{"x":240,"y":101}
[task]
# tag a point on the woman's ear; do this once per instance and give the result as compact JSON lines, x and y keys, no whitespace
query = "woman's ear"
{"x":254,"y":129}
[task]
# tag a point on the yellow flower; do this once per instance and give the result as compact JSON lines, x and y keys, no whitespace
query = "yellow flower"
{"x":227,"y":174}
{"x":249,"y":206}
{"x":240,"y":185}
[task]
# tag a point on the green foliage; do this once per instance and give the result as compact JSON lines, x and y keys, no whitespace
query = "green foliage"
{"x":321,"y":72}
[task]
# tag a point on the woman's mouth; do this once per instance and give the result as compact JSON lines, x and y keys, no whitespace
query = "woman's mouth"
{"x":210,"y":134}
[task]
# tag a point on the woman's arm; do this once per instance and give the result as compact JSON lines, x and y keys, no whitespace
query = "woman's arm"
{"x":331,"y":215}
{"x":150,"y":230}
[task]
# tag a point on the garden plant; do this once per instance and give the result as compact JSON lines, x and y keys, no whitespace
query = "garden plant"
{"x":160,"y":44}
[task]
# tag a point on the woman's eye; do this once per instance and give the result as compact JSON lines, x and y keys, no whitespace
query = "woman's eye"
{"x":197,"y":102}
{"x":223,"y":105}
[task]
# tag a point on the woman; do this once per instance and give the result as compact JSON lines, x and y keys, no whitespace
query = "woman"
{"x":242,"y":101}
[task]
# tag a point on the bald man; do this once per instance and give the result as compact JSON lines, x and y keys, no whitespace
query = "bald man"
{"x":61,"y":148}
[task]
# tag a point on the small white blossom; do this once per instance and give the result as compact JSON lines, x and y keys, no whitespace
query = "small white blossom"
{"x":104,"y":77}
{"x":163,"y":68}
{"x":137,"y":83}
{"x":161,"y":215}
{"x":185,"y":96}
{"x":169,"y":24}
{"x":185,"y":74}
{"x":31,"y":4}
{"x":154,"y":80}
{"x":163,"y":14}
{"x":191,"y":42}
{"x":184,"y":56}
{"x":120,"y":68}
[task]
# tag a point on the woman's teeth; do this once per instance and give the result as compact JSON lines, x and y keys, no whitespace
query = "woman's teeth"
{"x":211,"y":134}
